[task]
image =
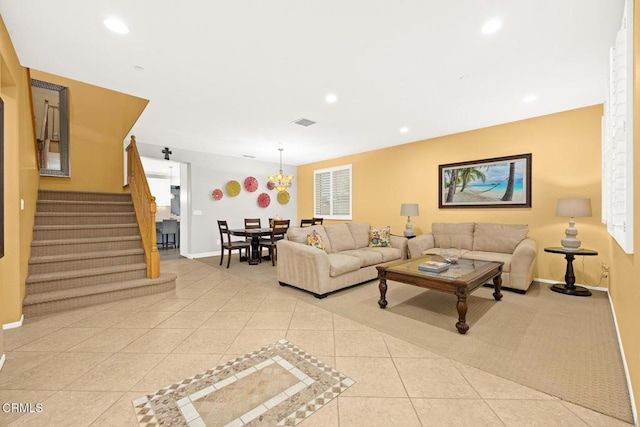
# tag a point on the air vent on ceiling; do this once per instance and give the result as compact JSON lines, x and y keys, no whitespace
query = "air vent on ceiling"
{"x":304,"y":122}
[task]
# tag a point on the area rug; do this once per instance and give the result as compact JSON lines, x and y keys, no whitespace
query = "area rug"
{"x":280,"y":384}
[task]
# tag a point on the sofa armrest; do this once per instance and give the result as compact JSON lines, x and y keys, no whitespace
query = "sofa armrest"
{"x":302,"y":266}
{"x":522,"y":263}
{"x":419,"y":244}
{"x":401,"y":243}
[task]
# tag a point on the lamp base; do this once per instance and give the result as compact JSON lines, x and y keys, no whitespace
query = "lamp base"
{"x":408,"y":233}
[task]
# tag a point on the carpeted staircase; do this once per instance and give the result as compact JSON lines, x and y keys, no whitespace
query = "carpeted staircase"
{"x":86,"y":250}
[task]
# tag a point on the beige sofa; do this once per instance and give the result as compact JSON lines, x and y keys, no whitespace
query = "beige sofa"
{"x":347,"y":259}
{"x":486,"y":242}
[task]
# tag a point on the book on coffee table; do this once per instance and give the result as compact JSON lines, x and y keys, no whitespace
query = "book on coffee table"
{"x":433,"y":266}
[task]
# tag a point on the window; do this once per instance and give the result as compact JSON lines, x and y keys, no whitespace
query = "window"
{"x":332,"y":193}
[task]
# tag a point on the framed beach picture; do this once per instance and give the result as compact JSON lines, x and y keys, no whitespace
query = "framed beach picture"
{"x":501,"y":182}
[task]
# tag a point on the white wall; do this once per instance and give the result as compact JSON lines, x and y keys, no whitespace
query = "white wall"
{"x":211,"y":171}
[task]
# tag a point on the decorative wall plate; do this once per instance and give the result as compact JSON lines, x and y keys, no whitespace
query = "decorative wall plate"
{"x":270,"y":185}
{"x":250,"y":184}
{"x":233,"y":188}
{"x":264,"y":200}
{"x":283,"y":197}
{"x":217,"y":194}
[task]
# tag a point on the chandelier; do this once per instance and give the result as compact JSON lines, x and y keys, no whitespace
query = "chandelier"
{"x":281,"y":182}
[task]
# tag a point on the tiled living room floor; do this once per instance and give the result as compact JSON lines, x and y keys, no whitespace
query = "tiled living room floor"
{"x":86,"y":366}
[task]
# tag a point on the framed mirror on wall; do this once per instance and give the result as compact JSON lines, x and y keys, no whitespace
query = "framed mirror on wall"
{"x":51,"y":115}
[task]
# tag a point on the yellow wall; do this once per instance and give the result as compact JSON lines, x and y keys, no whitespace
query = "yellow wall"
{"x":99,"y":121}
{"x":566,"y":162}
{"x":625,"y":269}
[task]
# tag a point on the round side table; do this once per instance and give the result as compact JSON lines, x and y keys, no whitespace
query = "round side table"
{"x":569,"y":287}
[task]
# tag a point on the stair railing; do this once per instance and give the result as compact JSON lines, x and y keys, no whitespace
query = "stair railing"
{"x":145,"y":206}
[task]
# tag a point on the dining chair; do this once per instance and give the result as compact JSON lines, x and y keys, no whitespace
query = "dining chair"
{"x":169,"y":227}
{"x":250,"y":223}
{"x":317,"y":221}
{"x":279,"y":229}
{"x":306,"y":222}
{"x":230,"y":245}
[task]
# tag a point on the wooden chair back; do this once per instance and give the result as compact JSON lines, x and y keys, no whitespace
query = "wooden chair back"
{"x":317,"y":221}
{"x":306,"y":222}
{"x":252,"y":223}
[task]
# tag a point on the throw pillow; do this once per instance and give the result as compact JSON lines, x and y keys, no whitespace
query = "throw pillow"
{"x":314,"y":239}
{"x":380,"y":238}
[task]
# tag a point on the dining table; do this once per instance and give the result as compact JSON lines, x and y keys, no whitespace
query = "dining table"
{"x":254,"y":234}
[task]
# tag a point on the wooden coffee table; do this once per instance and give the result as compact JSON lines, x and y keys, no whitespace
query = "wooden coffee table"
{"x":460,"y":279}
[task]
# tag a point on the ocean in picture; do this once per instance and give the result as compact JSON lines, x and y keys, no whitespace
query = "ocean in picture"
{"x":476,"y":191}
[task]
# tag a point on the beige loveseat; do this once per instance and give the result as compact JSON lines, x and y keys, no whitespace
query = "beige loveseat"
{"x":486,"y":242}
{"x":346,"y":260}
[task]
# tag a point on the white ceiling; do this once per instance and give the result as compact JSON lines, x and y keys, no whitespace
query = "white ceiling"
{"x":229,"y":77}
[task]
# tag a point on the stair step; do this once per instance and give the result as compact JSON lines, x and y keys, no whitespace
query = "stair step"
{"x":54,"y":232}
{"x":84,"y":218}
{"x":83,"y":206}
{"x":68,"y":299}
{"x":47,"y":282}
{"x":83,"y":261}
{"x":91,"y":244}
{"x":82,"y":195}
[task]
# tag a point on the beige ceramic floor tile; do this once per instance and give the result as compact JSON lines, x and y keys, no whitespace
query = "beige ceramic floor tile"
{"x":317,"y":343}
{"x":376,"y":412}
{"x":61,"y":340}
{"x":102,"y":319}
{"x":433,"y":378}
{"x":109,"y":340}
{"x":269,"y":320}
{"x":169,"y":304}
{"x":455,"y":413}
{"x":185,"y":320}
{"x":12,"y":413}
{"x":343,"y":324}
{"x":192,"y":293}
{"x":144,"y":319}
{"x":253,"y":339}
{"x":518,"y":413}
{"x":120,"y":414}
{"x":118,"y":373}
{"x":158,"y":341}
{"x":327,"y":416}
{"x":207,"y":304}
{"x":215,"y":341}
{"x":175,"y":368}
{"x":374,"y":377}
{"x":360,"y":343}
{"x":400,"y":348}
{"x":227,"y":320}
{"x":317,"y":320}
{"x":241,"y":304}
{"x":17,"y":337}
{"x":276,"y":304}
{"x":490,"y":386}
{"x":57,"y":411}
{"x":58,"y":319}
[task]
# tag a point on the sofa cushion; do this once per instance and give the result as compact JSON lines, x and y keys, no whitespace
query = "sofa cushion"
{"x":340,"y":237}
{"x":360,"y":233}
{"x":459,"y":235}
{"x":299,"y":235}
{"x":314,"y":239}
{"x":341,"y":264}
{"x":367,"y":257}
{"x":491,"y":256}
{"x":501,"y":238}
{"x":380,"y":237}
{"x":388,"y":254}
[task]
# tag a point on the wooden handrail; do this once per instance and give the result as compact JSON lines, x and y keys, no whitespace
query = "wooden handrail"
{"x":145,"y":206}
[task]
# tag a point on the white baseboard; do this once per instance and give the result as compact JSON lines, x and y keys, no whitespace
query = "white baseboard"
{"x":14,"y":324}
{"x":202,"y":255}
{"x":2,"y":359}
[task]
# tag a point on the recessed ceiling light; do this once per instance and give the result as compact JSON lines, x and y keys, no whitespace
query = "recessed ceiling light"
{"x":331,"y":98}
{"x":404,"y":129}
{"x":248,"y":156}
{"x":529,"y":98}
{"x":116,"y":25}
{"x":138,"y":68}
{"x":491,"y":26}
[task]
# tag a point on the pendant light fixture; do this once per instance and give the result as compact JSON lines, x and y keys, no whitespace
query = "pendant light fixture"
{"x":280,"y":181}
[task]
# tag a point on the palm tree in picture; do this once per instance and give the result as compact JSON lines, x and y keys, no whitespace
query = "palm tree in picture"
{"x":508,"y":194}
{"x":453,"y":182}
{"x":470,"y":174}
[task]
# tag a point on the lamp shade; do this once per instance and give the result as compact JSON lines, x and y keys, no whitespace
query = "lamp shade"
{"x":409,"y":209}
{"x":574,"y":208}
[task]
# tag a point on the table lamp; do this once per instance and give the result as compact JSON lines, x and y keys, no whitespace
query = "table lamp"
{"x":409,"y":210}
{"x":572,"y":208}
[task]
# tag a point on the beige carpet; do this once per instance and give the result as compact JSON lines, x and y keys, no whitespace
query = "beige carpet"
{"x":561,"y":345}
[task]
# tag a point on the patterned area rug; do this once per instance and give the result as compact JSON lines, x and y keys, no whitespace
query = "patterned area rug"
{"x":280,"y":384}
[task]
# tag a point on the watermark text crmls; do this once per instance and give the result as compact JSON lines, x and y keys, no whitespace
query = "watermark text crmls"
{"x":22,"y":408}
